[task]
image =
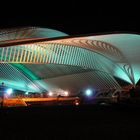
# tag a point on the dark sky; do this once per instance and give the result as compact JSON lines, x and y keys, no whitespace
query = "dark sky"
{"x":74,"y":18}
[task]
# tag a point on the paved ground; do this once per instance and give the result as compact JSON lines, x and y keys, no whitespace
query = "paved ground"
{"x":45,"y":101}
{"x":71,"y":122}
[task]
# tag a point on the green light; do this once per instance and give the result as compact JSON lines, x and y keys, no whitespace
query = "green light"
{"x":26,"y":71}
{"x":45,"y":32}
{"x":118,"y":72}
{"x":26,"y":92}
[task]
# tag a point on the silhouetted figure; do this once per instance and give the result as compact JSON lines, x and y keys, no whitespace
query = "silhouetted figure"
{"x":132,"y":92}
{"x":2,"y":94}
{"x":58,"y":97}
{"x":81,"y":96}
{"x":118,"y":97}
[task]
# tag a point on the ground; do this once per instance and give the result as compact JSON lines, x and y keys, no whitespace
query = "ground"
{"x":71,"y":122}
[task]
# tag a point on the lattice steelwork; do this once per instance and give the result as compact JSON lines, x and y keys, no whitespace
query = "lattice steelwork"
{"x":76,"y":61}
{"x":60,"y":54}
{"x":16,"y":79}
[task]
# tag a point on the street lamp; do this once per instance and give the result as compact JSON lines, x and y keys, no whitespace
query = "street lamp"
{"x":9,"y":91}
{"x":66,"y":93}
{"x":88,"y":92}
{"x":50,"y":93}
{"x":26,"y":92}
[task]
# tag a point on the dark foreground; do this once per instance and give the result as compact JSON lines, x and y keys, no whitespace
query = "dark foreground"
{"x":71,"y":122}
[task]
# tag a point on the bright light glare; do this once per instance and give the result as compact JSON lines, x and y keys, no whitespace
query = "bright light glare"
{"x":76,"y":103}
{"x":50,"y":93}
{"x":88,"y":92}
{"x":66,"y":93}
{"x":26,"y":92}
{"x":9,"y":91}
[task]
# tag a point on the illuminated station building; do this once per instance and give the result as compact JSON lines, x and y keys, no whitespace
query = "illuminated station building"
{"x":39,"y":60}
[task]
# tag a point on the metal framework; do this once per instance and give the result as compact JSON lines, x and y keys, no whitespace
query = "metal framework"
{"x":77,"y":62}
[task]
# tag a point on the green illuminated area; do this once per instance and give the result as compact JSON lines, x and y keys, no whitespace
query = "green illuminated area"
{"x":22,"y":68}
{"x":68,"y":63}
{"x":14,"y":78}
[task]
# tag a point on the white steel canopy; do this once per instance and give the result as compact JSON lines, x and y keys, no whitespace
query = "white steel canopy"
{"x":70,"y":63}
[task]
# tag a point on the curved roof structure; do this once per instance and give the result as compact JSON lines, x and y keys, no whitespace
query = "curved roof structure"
{"x":37,"y":59}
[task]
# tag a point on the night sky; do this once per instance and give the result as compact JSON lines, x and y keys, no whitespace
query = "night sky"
{"x":74,"y":18}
